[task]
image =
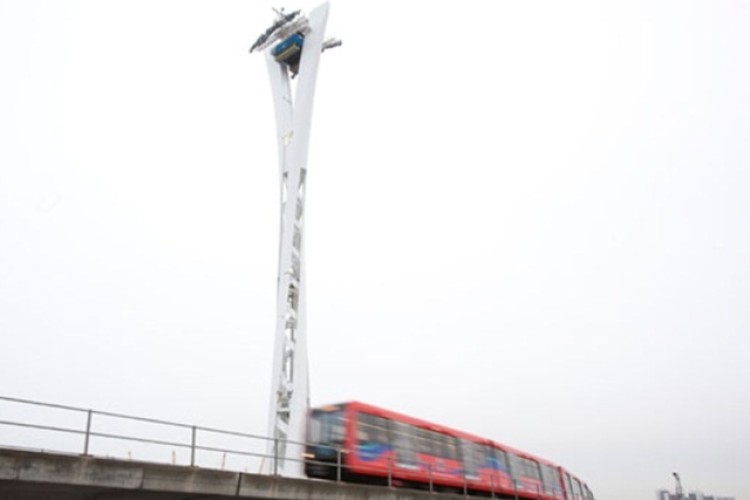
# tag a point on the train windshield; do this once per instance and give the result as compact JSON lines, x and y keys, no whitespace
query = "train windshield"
{"x":327,"y":427}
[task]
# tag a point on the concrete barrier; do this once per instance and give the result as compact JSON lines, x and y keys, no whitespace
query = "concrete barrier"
{"x":28,"y":475}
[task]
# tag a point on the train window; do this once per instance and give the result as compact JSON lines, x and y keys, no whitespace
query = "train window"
{"x":437,"y":444}
{"x":371,"y":429}
{"x":404,"y":445}
{"x":467,"y":457}
{"x":524,"y":468}
{"x":551,"y":479}
{"x":315,"y":430}
{"x":425,"y":443}
{"x":532,"y":469}
{"x":516,"y":466}
{"x":577,"y":489}
{"x":546,"y":478}
{"x":327,"y":427}
{"x":336,"y":422}
{"x":568,"y":486}
{"x":557,"y":487}
{"x":498,"y":459}
{"x":414,"y":438}
{"x":587,"y":492}
{"x":450,"y":447}
{"x":473,"y":457}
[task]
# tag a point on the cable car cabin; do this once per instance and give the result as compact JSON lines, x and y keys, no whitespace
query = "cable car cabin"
{"x":373,"y":445}
{"x":289,"y":52}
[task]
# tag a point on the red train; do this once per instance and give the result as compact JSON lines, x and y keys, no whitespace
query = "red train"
{"x":377,"y":446}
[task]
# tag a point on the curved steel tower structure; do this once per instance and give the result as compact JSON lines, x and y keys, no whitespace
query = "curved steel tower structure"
{"x":292,"y":47}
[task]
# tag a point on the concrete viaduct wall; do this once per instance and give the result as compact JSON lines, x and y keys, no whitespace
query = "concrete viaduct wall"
{"x":26,"y":475}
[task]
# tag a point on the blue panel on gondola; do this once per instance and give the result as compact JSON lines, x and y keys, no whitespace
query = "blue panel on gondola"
{"x":295,"y":39}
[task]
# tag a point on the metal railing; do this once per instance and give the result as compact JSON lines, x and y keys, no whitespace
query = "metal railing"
{"x":196,"y":439}
{"x":92,"y":427}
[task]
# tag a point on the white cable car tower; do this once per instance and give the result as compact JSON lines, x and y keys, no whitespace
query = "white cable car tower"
{"x":292,"y":47}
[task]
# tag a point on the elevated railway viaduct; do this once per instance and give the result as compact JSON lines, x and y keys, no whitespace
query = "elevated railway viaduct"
{"x":31,"y":475}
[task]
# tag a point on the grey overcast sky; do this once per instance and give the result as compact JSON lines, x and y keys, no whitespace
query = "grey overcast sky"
{"x":527,"y":220}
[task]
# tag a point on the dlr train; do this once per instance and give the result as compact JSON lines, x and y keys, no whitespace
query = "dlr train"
{"x":362,"y":443}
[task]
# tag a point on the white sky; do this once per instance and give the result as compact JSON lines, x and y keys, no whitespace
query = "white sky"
{"x":526,"y":220}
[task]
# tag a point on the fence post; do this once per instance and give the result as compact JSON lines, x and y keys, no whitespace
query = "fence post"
{"x":192,"y":447}
{"x":465,"y":489}
{"x":492,"y":484}
{"x":275,"y":455}
{"x":515,"y":489}
{"x":88,"y":432}
{"x":390,"y":471}
{"x":338,"y":465}
{"x":429,"y":473}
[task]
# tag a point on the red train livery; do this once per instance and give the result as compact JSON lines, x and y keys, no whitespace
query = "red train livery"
{"x":377,"y":446}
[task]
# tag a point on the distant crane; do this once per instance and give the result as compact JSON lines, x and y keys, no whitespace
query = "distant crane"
{"x":678,"y":487}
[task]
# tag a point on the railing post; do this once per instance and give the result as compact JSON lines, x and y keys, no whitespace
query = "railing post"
{"x":88,"y":432}
{"x":192,"y":447}
{"x":429,"y":474}
{"x":338,"y":465}
{"x":275,"y":456}
{"x":390,"y":471}
{"x":515,"y":489}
